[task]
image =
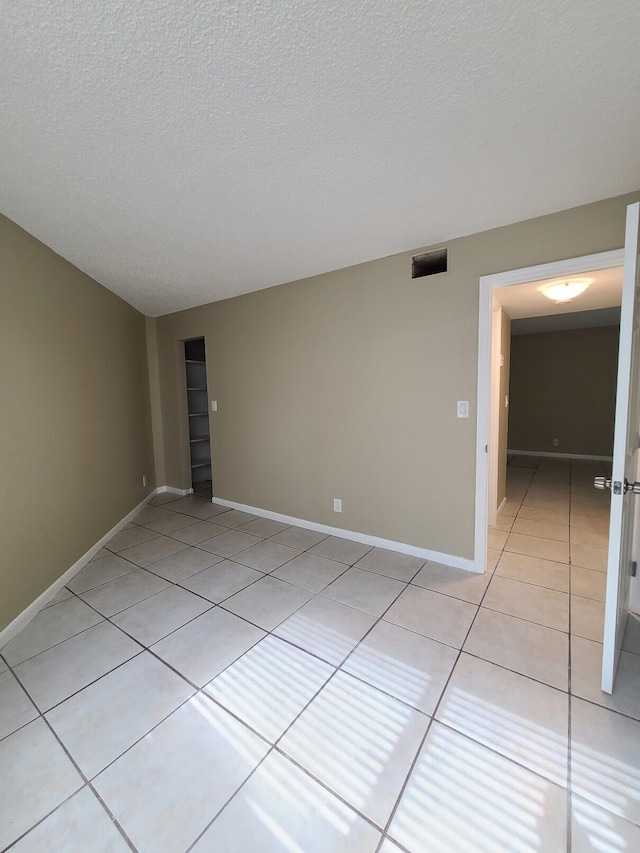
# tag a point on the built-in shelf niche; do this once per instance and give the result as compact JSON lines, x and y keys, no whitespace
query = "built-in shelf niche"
{"x":198,"y":413}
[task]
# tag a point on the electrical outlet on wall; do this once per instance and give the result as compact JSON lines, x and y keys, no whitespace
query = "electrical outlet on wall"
{"x":337,"y":504}
{"x":556,"y":442}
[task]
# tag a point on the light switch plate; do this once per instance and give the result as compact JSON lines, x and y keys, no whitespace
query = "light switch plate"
{"x":214,"y":405}
{"x":462,"y":409}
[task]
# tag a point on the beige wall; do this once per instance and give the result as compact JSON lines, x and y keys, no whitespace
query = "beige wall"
{"x":345,"y":384}
{"x":563,"y":385}
{"x":503,"y":427}
{"x":75,"y":436}
{"x":154,"y":399}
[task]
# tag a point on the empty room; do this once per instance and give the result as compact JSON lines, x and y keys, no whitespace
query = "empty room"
{"x":320,"y":370}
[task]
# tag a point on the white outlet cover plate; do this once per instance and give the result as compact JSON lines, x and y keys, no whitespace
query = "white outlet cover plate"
{"x":462,"y":408}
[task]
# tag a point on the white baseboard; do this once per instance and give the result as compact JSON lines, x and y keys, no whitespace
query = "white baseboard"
{"x":549,"y":455}
{"x":173,"y":491}
{"x":354,"y":536}
{"x":36,"y":606}
{"x":17,"y":624}
{"x":502,"y":505}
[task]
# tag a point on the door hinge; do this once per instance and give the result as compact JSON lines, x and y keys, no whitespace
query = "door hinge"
{"x":634,"y":567}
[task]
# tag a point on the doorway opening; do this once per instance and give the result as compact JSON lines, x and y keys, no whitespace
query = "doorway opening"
{"x":552,"y":412}
{"x":550,"y":527}
{"x":622,"y":553}
{"x":195,"y":361}
{"x":515,"y":294}
{"x":553,"y":409}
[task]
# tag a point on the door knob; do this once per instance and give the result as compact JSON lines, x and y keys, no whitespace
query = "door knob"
{"x":605,"y":483}
{"x":602,"y":483}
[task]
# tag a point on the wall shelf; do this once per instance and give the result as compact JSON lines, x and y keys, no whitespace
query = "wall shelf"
{"x":195,"y":365}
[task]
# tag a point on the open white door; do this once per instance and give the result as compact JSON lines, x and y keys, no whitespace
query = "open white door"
{"x":625,"y":458}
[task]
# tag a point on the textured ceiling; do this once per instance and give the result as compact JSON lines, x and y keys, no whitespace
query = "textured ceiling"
{"x":183,"y":151}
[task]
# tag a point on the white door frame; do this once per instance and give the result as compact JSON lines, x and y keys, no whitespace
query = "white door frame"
{"x":494,"y":407}
{"x":487,"y":285}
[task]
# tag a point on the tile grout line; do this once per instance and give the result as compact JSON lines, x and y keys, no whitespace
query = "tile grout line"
{"x":568,"y":775}
{"x":569,"y":830}
{"x":198,"y":691}
{"x":144,"y":647}
{"x":569,"y":659}
{"x":59,"y":642}
{"x":263,"y":574}
{"x":336,"y":669}
{"x":270,"y":633}
{"x":385,"y":833}
{"x":177,"y":584}
{"x":570,"y":696}
{"x":86,"y":781}
{"x":171,"y":582}
{"x":184,"y":678}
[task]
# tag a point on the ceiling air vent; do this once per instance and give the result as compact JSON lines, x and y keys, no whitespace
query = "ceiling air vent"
{"x":430,"y":263}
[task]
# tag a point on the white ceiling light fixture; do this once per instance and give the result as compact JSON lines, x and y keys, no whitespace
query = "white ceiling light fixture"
{"x":566,"y":289}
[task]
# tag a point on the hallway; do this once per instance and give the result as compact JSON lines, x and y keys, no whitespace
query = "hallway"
{"x":553,"y":534}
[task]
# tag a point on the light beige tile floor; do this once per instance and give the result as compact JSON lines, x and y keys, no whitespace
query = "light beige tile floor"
{"x":278,"y":689}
